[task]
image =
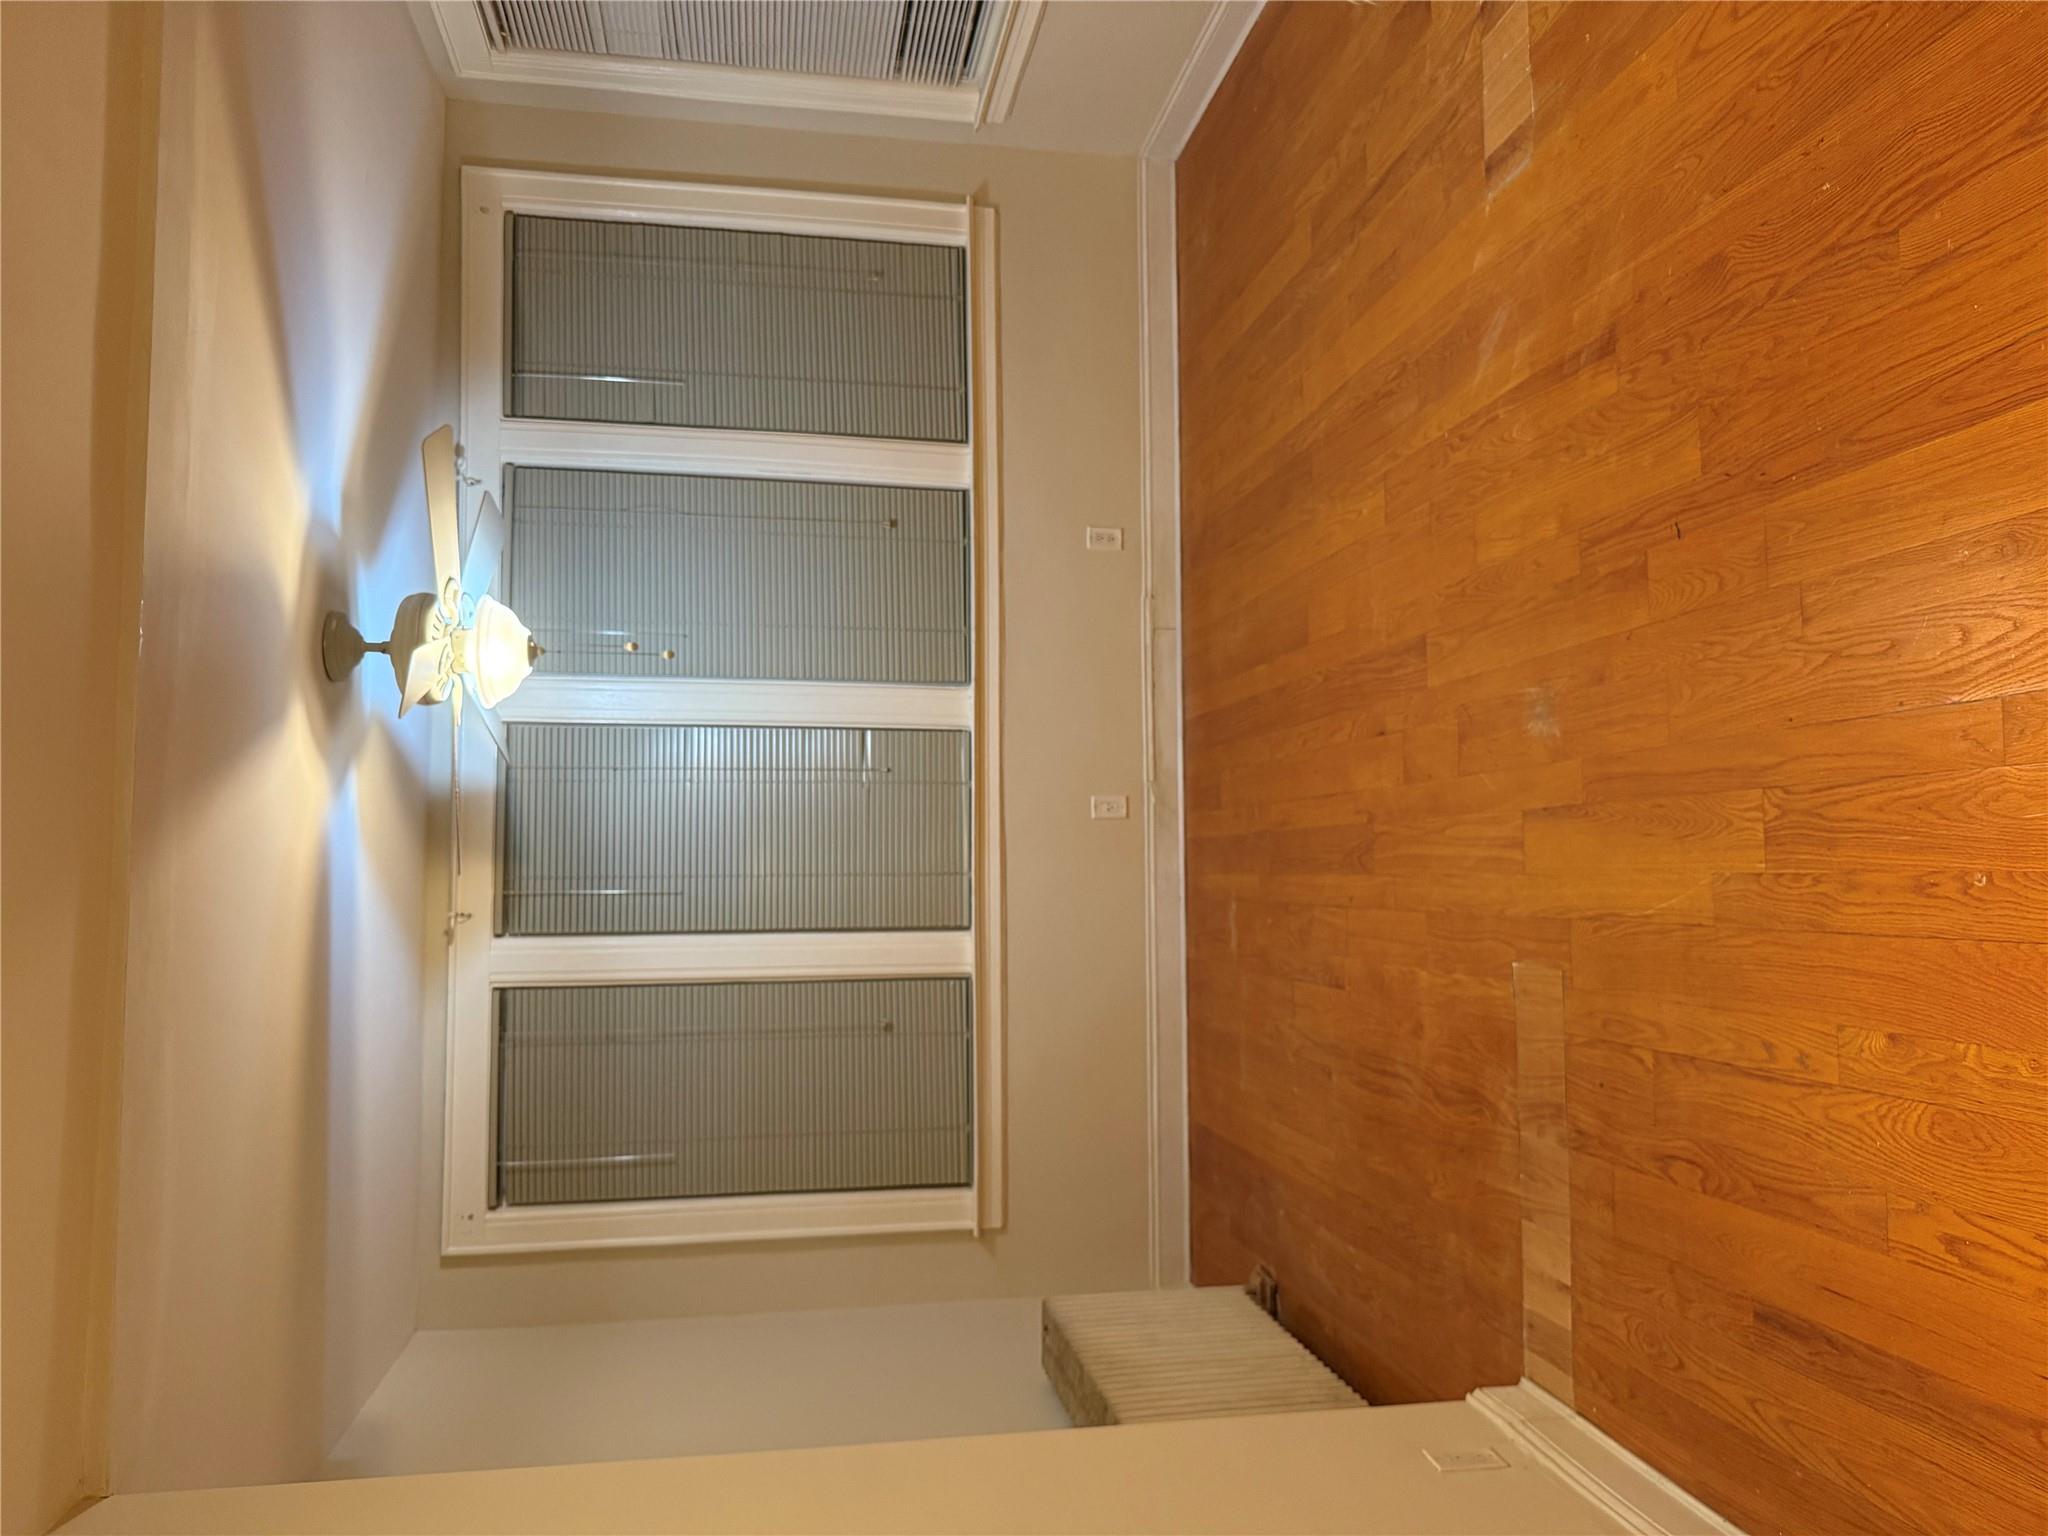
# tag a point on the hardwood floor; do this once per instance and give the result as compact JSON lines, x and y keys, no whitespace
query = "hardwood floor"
{"x":1615,"y":542}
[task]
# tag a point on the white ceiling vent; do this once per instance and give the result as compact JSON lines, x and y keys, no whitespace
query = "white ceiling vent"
{"x":929,"y":41}
{"x":947,"y":60}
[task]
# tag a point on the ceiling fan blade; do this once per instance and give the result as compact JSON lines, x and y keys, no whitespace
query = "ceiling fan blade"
{"x":492,"y":724}
{"x":444,"y":512}
{"x":425,"y":669}
{"x":486,"y":546}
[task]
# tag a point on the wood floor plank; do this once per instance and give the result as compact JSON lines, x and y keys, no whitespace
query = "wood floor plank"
{"x":1763,"y":1040}
{"x":1611,"y":1103}
{"x":1545,"y":1178}
{"x":1959,"y":619}
{"x":1992,"y":1162}
{"x":1561,"y":721}
{"x":1996,"y":904}
{"x":1882,"y":1301}
{"x":1568,"y":613}
{"x":1819,"y":983}
{"x":1709,"y":834}
{"x":1969,"y":479}
{"x":1993,"y":816}
{"x":2008,"y":1257}
{"x":1691,"y":1334}
{"x":1934,"y":1070}
{"x":1710,"y":1450}
{"x":2026,"y":727}
{"x":1835,"y":752}
{"x":1615,"y":553}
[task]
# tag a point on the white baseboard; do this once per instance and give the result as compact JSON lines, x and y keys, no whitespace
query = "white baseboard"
{"x":1223,"y":32}
{"x":1159,"y":648}
{"x":1620,"y":1482}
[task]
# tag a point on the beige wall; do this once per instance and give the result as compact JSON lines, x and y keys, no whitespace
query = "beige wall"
{"x":692,"y":1386}
{"x":78,"y":175}
{"x":1073,"y":708}
{"x":1359,"y":1469}
{"x":271,"y":1075}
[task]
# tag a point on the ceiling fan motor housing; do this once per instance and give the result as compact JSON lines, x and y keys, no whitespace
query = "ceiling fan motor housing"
{"x":419,"y":621}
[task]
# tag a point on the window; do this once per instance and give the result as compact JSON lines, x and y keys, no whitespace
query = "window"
{"x":727,"y":956}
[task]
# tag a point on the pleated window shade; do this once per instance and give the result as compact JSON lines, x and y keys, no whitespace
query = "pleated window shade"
{"x":747,"y":330}
{"x":676,"y":1091}
{"x":681,"y":1090}
{"x":710,"y":577}
{"x":613,"y":829}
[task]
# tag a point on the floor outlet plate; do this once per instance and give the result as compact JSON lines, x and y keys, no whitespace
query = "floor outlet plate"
{"x":1466,"y":1461}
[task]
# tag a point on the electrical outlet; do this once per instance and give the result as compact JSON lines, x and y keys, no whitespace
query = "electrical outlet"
{"x":1109,"y":807}
{"x":1105,"y":538}
{"x":1483,"y":1460}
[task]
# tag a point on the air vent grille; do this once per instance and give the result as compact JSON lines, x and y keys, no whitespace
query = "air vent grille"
{"x":924,"y":42}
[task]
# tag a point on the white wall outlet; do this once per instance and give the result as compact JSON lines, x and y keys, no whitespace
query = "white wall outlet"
{"x":1105,"y":538}
{"x":1483,"y":1460}
{"x":1109,"y":807}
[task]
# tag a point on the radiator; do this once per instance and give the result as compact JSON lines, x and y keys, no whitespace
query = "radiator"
{"x":1132,"y":1356}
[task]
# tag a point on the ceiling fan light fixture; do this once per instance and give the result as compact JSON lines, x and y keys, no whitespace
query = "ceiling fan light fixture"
{"x":497,"y":651}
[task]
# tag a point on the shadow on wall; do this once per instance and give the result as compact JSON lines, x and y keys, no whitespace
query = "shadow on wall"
{"x":264,"y":1277}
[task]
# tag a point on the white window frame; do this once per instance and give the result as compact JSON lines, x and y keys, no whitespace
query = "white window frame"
{"x":987,"y":98}
{"x":481,"y":961}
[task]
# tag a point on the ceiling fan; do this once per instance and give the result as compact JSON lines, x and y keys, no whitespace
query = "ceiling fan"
{"x":458,"y":637}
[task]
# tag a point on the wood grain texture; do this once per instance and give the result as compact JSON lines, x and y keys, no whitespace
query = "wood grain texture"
{"x":1546,"y":1177}
{"x":1615,"y":546}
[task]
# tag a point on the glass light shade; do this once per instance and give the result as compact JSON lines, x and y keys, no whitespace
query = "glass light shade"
{"x":500,"y":651}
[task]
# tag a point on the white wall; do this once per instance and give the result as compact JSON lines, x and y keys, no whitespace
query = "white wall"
{"x":277,"y":1211}
{"x":265,"y":1276}
{"x":1355,"y":1469}
{"x":1076,"y":1069}
{"x":530,"y":1397}
{"x":80,"y":170}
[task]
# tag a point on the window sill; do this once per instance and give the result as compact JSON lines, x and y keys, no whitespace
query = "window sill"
{"x":735,"y":1219}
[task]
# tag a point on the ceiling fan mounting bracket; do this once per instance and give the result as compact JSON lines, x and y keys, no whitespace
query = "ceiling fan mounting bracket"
{"x":342,"y":646}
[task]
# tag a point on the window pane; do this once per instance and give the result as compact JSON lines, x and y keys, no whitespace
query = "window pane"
{"x":668,"y":325}
{"x":709,"y":577}
{"x":733,"y":1088}
{"x":734,"y":829}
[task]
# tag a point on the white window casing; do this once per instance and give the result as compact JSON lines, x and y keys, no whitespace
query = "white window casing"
{"x":482,"y":961}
